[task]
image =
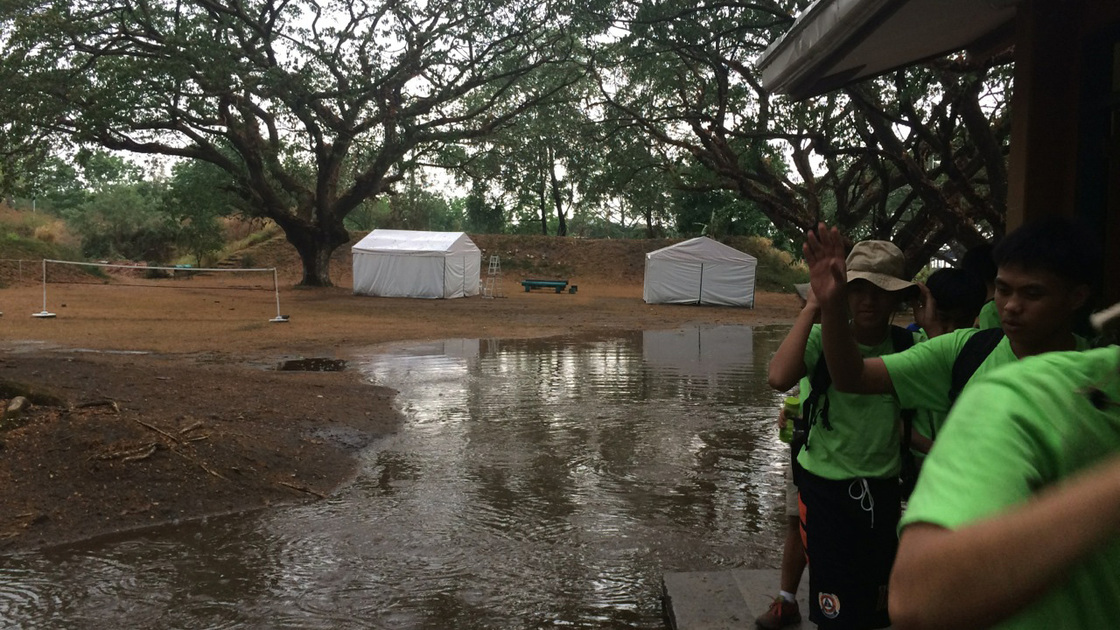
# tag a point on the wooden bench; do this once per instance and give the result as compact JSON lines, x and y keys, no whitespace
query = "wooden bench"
{"x":558,"y":285}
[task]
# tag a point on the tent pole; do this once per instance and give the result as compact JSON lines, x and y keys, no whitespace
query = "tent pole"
{"x":700,"y":295}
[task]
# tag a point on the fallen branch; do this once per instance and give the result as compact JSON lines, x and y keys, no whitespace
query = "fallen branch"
{"x":143,"y":451}
{"x":302,"y":489}
{"x":100,"y":403}
{"x":199,"y":464}
{"x":191,"y":427}
{"x":145,"y":454}
{"x":159,"y":430}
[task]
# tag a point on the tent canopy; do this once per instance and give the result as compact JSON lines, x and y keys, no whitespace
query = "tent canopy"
{"x":415,"y":242}
{"x":409,"y":263}
{"x":700,"y":271}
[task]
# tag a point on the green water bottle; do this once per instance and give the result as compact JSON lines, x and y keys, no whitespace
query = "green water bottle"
{"x":792,"y":408}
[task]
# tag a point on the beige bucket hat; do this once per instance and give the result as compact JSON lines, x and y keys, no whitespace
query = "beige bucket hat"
{"x":881,"y":263}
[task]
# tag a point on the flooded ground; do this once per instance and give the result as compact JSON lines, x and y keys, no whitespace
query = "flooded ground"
{"x":536,"y":483}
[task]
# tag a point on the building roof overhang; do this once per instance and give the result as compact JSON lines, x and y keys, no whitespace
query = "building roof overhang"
{"x":837,"y":42}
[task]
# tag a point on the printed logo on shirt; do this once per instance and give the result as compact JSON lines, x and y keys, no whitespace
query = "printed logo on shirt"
{"x":830,"y":605}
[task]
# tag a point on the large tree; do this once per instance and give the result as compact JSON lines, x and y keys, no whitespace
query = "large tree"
{"x":311,"y":106}
{"x":917,"y":156}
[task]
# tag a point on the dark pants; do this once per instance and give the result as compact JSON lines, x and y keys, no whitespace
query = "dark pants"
{"x":850,"y":530}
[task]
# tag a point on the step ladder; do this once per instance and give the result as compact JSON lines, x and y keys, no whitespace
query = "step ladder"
{"x":493,"y":286}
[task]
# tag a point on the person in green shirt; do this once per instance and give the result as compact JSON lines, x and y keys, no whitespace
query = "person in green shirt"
{"x":950,"y":301}
{"x":849,"y":495}
{"x":1023,"y":533}
{"x":1045,"y":271}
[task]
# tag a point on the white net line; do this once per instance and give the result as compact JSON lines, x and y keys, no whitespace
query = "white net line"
{"x":143,"y":267}
{"x":180,"y":269}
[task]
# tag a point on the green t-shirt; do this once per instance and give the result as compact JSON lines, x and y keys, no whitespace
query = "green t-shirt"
{"x":864,"y":439}
{"x":923,"y":374}
{"x":1014,"y":432}
{"x":927,"y":423}
{"x":989,"y":316}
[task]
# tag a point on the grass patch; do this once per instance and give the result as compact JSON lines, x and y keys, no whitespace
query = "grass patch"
{"x":268,"y":232}
{"x":16,"y":246}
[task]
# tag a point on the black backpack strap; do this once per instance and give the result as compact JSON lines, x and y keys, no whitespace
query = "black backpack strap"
{"x":819,"y":382}
{"x":975,"y":350}
{"x":817,"y":401}
{"x":901,"y":339}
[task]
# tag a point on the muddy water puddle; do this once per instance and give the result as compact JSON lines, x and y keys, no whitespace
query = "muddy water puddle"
{"x":533,"y":484}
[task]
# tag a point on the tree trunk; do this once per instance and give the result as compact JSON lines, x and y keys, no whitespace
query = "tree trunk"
{"x":543,"y":204}
{"x":557,"y":195}
{"x":317,"y":267}
{"x":315,"y":246}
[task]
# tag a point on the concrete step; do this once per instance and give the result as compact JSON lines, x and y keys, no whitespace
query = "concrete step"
{"x":724,"y":600}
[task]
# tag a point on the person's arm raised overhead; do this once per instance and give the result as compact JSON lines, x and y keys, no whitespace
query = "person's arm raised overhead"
{"x":788,"y":364}
{"x":824,"y":252}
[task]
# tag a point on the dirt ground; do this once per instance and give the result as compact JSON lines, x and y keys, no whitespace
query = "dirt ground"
{"x":159,"y":400}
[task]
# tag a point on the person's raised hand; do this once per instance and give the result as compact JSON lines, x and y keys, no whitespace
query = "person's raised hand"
{"x":828,"y":273}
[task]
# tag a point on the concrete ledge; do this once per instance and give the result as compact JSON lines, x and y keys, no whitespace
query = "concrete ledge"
{"x":723,"y":600}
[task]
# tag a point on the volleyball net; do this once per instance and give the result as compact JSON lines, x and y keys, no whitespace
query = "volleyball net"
{"x":182,"y":277}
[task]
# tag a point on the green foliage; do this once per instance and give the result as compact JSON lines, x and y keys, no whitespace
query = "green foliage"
{"x":310,"y":108}
{"x":719,"y":214}
{"x":198,"y":194}
{"x":482,"y":217}
{"x":419,"y":209}
{"x":21,"y":240}
{"x":16,"y":246}
{"x":777,"y":270}
{"x":367,"y":215}
{"x":58,"y":186}
{"x":102,"y":170}
{"x":123,"y":221}
{"x":917,"y":156}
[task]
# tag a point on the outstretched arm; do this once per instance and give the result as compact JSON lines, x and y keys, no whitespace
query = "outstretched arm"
{"x":979,"y":575}
{"x":788,"y":364}
{"x":824,"y":252}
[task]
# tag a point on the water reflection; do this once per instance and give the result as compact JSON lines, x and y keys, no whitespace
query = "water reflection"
{"x":536,"y":483}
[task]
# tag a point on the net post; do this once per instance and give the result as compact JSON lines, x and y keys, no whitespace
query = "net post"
{"x":44,"y":313}
{"x":276,"y":289}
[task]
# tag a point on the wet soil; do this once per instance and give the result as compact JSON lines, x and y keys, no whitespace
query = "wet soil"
{"x":161,"y":400}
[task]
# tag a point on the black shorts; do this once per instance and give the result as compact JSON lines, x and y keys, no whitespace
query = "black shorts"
{"x":850,"y":530}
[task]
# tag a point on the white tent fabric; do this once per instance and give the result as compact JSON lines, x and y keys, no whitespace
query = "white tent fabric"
{"x":700,"y":271}
{"x":708,"y":352}
{"x":408,"y":263}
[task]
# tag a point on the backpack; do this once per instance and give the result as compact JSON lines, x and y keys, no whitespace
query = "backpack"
{"x":816,"y":404}
{"x":975,"y":350}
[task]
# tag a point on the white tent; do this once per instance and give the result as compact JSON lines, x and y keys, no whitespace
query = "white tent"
{"x":700,"y":271}
{"x":407,"y":263}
